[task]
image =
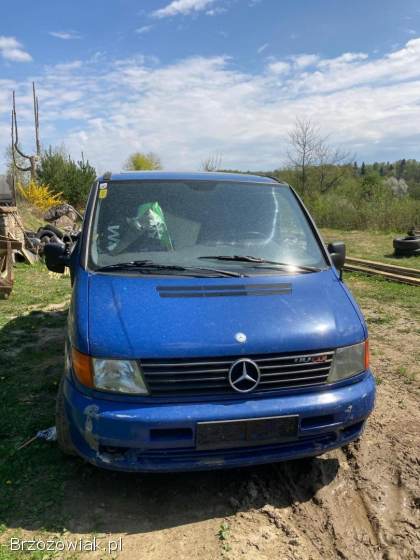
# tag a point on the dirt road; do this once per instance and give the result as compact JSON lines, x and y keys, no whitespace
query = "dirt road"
{"x":361,"y":502}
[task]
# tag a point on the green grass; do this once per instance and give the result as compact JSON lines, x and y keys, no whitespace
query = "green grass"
{"x":371,"y":245}
{"x":31,"y":217}
{"x":367,"y":288}
{"x":31,"y":349}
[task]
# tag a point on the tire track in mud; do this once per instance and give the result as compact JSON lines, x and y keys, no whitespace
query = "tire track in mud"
{"x":368,"y":508}
{"x":317,"y":513}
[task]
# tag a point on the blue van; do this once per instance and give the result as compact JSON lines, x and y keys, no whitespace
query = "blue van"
{"x":209,"y":327}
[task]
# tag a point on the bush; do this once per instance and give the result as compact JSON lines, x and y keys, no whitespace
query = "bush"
{"x":365,"y":209}
{"x":39,"y":195}
{"x":143,"y":162}
{"x":72,"y":179}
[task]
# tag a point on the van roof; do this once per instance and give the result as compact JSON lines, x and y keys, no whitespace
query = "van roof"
{"x":185,"y":176}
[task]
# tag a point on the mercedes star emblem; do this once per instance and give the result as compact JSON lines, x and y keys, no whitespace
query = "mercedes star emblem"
{"x":244,"y":375}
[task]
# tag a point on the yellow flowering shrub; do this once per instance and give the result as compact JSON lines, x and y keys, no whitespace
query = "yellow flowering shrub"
{"x":38,"y":195}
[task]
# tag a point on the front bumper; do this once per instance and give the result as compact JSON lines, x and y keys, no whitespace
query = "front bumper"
{"x":161,"y":437}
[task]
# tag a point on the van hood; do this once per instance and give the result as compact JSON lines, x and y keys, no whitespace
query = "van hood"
{"x":149,"y":317}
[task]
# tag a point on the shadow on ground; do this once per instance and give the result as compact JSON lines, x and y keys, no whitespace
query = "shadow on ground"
{"x":40,"y":488}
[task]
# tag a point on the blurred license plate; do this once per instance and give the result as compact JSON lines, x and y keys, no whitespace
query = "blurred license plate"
{"x":246,"y":433}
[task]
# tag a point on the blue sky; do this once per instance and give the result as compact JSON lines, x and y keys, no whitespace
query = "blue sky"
{"x":190,"y":78}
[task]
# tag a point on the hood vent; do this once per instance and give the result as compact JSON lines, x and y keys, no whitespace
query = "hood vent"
{"x":226,"y":290}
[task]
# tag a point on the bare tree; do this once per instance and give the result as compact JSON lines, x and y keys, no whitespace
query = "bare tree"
{"x":310,"y":150}
{"x":212,"y":163}
{"x":16,"y":150}
{"x":305,"y":143}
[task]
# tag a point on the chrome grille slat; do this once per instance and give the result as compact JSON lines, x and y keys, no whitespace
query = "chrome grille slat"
{"x":186,"y":364}
{"x":294,"y":356}
{"x":193,"y":389}
{"x":284,"y":366}
{"x":186,"y":372}
{"x":196,"y":379}
{"x":264,"y":382}
{"x":210,"y":375}
{"x":263,"y":375}
{"x":312,"y":384}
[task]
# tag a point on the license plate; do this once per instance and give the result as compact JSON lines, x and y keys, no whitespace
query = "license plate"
{"x":246,"y":433}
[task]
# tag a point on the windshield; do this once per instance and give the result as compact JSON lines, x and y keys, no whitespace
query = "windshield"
{"x":179,"y":223}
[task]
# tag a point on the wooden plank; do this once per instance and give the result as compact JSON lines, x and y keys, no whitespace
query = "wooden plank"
{"x":405,"y":271}
{"x":387,"y":275}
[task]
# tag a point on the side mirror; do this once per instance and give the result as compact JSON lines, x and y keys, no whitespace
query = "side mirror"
{"x":337,"y":251}
{"x":57,"y":257}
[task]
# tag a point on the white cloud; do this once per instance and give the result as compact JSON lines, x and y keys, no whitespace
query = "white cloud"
{"x":65,"y":35}
{"x":279,"y":67}
{"x":11,"y":49}
{"x":216,"y":11}
{"x":262,"y":48}
{"x":182,"y":7}
{"x":304,"y":60}
{"x":144,"y":29}
{"x":186,"y":110}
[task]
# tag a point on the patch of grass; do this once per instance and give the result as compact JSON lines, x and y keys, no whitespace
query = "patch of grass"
{"x":371,"y":245}
{"x":224,"y":534}
{"x":381,"y":319}
{"x":31,"y":349}
{"x":31,"y":217}
{"x":7,"y":554}
{"x":373,"y":288}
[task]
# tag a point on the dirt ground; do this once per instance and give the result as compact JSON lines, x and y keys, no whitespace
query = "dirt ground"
{"x":360,"y":502}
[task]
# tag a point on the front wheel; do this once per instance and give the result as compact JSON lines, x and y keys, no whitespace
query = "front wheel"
{"x":62,"y":424}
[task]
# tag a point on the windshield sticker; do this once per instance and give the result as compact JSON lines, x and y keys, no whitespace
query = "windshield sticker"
{"x":113,"y":237}
{"x":103,"y":190}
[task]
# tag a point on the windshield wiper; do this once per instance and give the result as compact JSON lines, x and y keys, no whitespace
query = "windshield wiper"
{"x":258,"y":260}
{"x":150,"y":266}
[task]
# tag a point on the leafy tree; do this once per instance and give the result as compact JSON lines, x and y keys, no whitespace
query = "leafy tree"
{"x":143,"y":162}
{"x":63,"y":175}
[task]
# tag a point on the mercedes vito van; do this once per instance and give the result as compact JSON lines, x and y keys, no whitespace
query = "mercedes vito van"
{"x":209,"y":327}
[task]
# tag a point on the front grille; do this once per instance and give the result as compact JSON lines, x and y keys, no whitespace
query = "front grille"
{"x":201,"y":376}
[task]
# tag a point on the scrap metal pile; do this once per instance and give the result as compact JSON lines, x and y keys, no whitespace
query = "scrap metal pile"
{"x":61,"y":227}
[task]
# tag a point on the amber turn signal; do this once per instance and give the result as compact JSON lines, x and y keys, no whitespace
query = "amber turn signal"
{"x":367,"y":354}
{"x":82,"y":367}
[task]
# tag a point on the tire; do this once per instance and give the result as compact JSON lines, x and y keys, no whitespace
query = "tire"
{"x":406,"y":246}
{"x":52,"y":229}
{"x":62,"y":424}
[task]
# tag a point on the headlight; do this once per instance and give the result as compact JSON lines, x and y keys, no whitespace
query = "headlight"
{"x":349,"y":361}
{"x":118,"y":376}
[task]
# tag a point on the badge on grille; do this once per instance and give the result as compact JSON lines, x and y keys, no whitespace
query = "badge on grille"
{"x":244,"y":375}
